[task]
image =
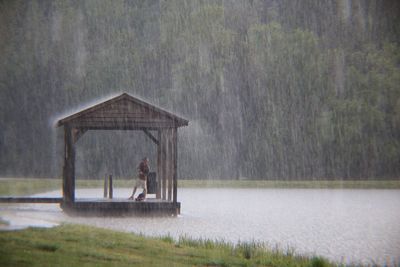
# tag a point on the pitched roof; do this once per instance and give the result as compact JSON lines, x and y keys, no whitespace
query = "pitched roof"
{"x":123,"y":112}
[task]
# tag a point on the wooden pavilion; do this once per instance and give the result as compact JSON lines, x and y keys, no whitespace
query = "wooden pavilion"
{"x":125,"y":112}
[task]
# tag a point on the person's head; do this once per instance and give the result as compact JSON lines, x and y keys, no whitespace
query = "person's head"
{"x":145,"y":159}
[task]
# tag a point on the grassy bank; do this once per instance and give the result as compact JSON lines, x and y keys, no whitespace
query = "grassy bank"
{"x":324,"y":184}
{"x":74,"y":245}
{"x":26,"y":186}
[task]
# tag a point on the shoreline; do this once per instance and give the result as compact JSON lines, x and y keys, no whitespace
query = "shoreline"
{"x":86,"y":183}
{"x":26,"y":186}
{"x":72,"y":244}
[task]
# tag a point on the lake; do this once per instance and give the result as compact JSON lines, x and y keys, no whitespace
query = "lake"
{"x":344,"y":225}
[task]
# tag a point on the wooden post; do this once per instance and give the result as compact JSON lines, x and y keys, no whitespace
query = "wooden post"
{"x":77,"y":133}
{"x":105,"y":186}
{"x":175,"y":163}
{"x":69,"y":166}
{"x":163,"y":164}
{"x":110,"y":180}
{"x":159,"y":174}
{"x":169,"y":163}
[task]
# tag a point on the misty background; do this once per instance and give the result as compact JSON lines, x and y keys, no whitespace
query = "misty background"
{"x":274,"y":89}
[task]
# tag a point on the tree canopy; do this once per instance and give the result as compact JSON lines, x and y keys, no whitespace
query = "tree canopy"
{"x":292,"y":89}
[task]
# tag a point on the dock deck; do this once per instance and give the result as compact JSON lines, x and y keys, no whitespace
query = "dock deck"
{"x":121,"y":207}
{"x":31,"y":200}
{"x":106,"y":206}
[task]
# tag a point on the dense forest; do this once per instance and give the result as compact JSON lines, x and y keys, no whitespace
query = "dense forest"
{"x":272,"y":89}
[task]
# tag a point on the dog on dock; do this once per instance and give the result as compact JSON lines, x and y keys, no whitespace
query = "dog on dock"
{"x":140,"y":197}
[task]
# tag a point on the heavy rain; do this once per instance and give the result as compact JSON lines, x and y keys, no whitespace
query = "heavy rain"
{"x":293,"y":110}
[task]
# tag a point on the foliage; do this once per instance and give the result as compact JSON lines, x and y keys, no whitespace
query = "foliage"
{"x":362,"y":116}
{"x":272,"y":89}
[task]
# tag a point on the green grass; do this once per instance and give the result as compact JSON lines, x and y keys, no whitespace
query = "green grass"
{"x":26,"y":186}
{"x":75,"y":245}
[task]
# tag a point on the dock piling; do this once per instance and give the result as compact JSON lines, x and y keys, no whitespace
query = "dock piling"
{"x":110,"y":192}
{"x":105,"y":186}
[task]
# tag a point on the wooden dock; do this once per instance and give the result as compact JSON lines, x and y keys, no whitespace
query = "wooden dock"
{"x":104,"y":206}
{"x":30,"y":200}
{"x":127,"y":113}
{"x":121,"y":207}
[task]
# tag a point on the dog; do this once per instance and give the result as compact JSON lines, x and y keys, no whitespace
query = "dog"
{"x":140,"y":197}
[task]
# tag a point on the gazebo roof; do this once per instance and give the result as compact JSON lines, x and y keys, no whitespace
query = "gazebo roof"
{"x":123,"y":112}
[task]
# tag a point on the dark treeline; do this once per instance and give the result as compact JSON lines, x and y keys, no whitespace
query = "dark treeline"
{"x":274,"y":89}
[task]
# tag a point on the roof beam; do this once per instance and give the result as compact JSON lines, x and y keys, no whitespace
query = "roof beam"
{"x":77,"y":133}
{"x":151,"y":136}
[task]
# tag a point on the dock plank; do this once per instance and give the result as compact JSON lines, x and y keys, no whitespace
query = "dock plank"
{"x":105,"y":206}
{"x":30,"y":200}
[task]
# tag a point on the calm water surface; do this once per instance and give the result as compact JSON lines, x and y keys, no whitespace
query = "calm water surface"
{"x":361,"y":226}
